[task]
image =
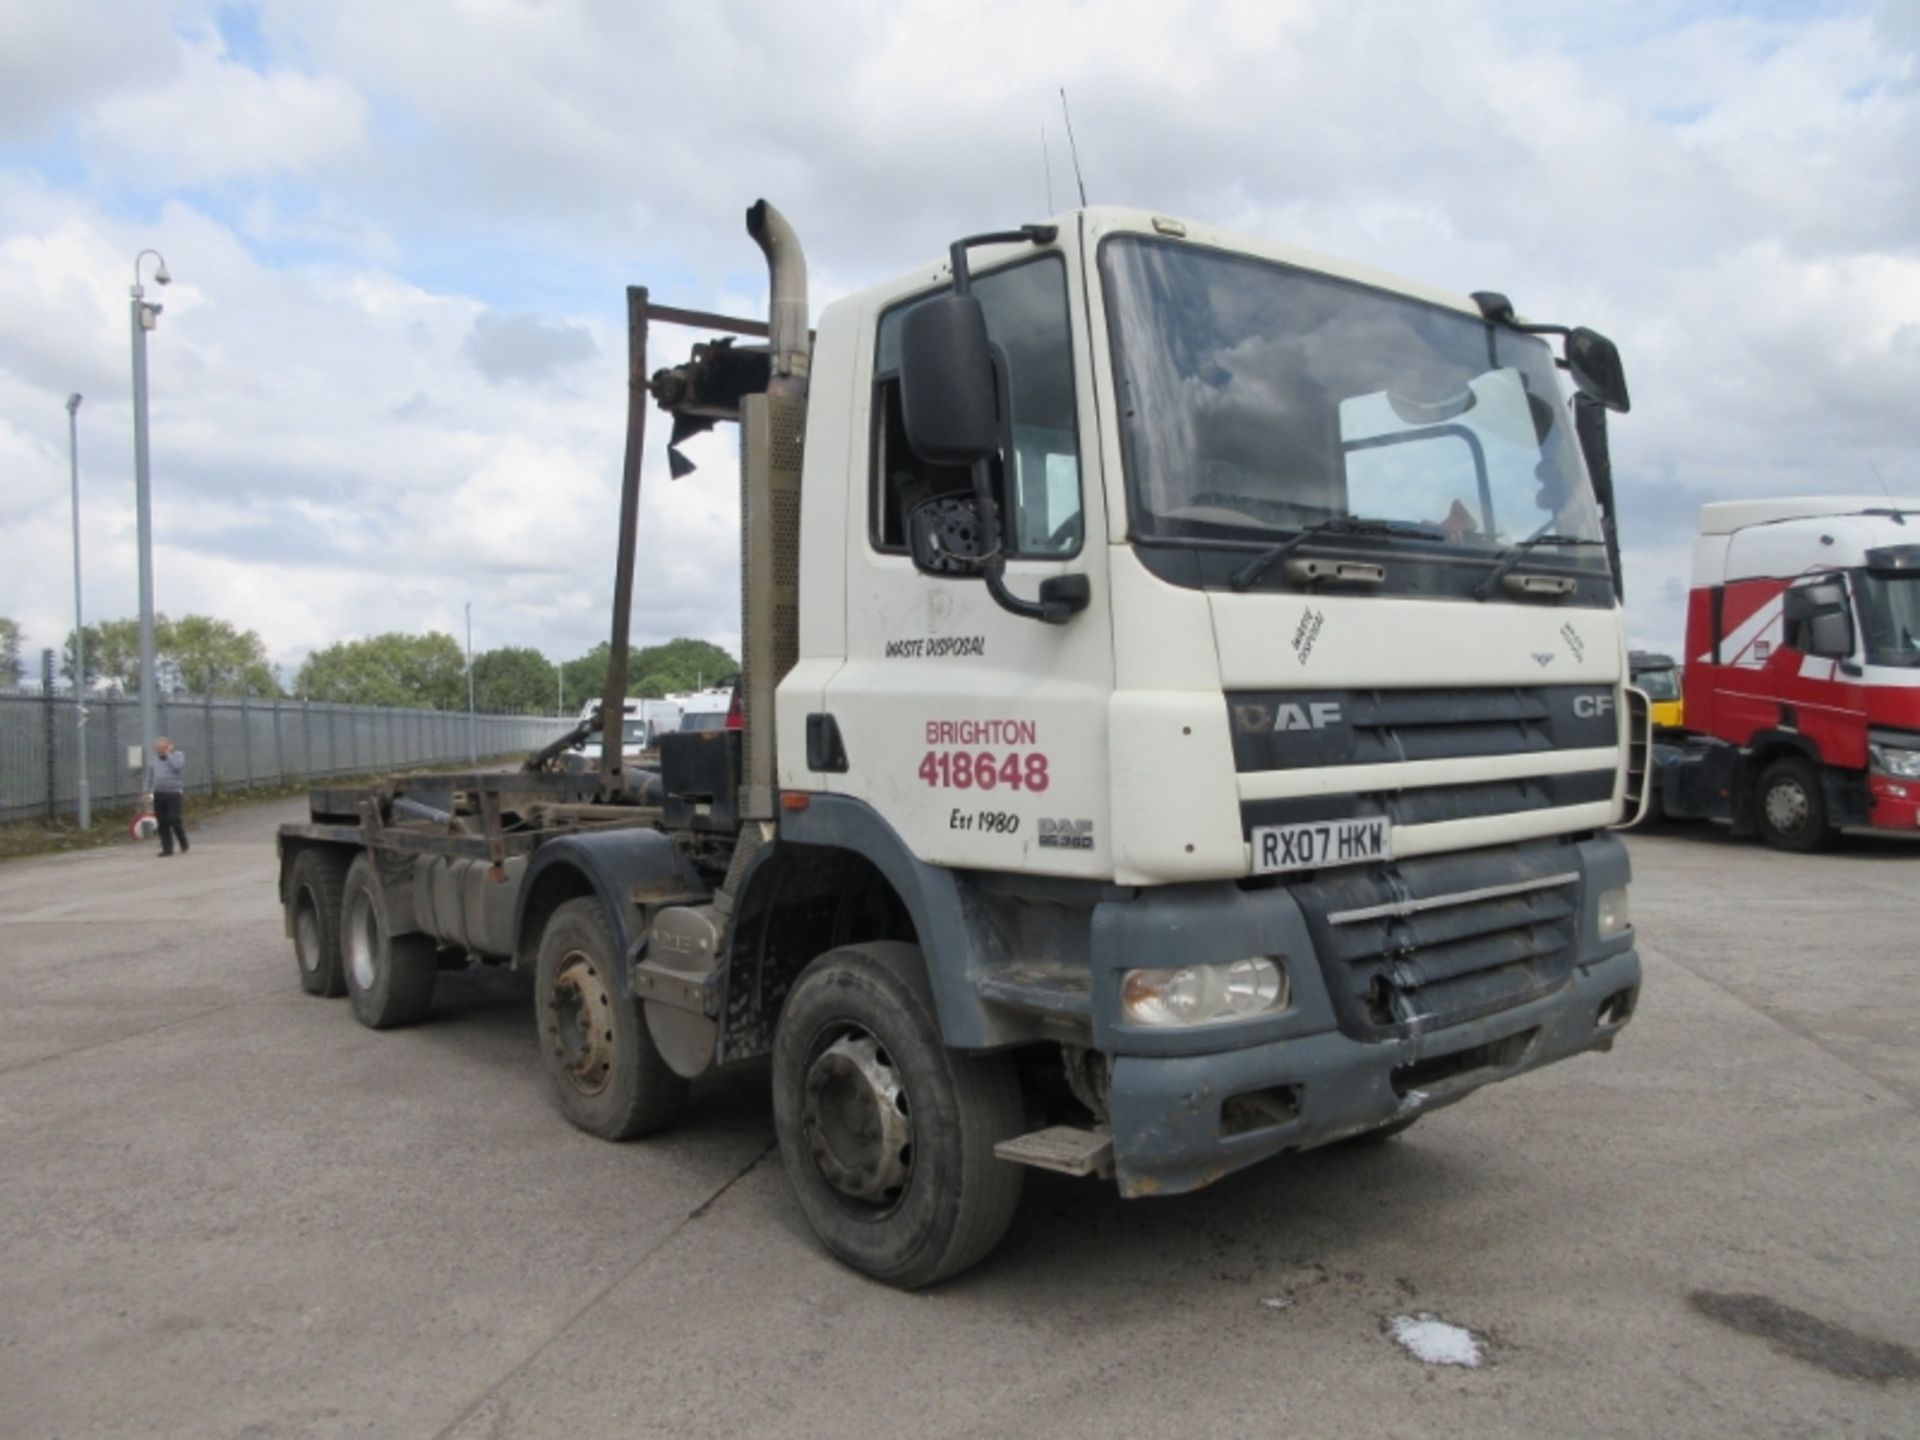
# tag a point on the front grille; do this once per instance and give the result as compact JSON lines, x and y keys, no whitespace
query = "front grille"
{"x":1288,"y":729}
{"x":1419,"y":945}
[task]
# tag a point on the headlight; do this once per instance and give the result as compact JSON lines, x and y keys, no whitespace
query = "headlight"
{"x":1892,"y":760}
{"x":1201,"y":994}
{"x":1615,"y":918}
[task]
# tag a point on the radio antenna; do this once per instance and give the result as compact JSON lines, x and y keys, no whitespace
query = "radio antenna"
{"x":1046,"y":159}
{"x":1073,"y":149}
{"x":1874,"y":466}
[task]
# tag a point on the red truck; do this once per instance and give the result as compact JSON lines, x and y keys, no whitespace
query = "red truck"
{"x":1802,"y":708}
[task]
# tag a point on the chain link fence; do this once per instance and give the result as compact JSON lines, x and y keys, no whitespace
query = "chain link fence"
{"x":231,"y":745}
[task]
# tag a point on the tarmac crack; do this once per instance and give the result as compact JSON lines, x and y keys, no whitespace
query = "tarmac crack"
{"x":586,"y":1306}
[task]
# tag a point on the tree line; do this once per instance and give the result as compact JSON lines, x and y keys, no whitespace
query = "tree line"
{"x":201,"y":655}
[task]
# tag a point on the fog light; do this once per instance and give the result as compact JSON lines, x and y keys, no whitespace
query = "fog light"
{"x":1614,"y":916}
{"x":1201,"y":994}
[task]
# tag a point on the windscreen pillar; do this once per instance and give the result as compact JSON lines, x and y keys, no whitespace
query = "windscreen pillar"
{"x":772,"y":438}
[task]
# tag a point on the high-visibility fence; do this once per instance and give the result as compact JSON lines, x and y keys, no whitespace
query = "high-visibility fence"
{"x":231,"y":745}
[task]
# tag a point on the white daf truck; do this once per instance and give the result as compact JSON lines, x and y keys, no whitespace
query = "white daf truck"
{"x":1183,"y":710}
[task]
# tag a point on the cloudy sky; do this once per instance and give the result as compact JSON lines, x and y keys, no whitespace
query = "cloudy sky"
{"x":389,"y":377}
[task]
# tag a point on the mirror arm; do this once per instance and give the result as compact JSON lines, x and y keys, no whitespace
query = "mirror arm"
{"x":993,"y":567}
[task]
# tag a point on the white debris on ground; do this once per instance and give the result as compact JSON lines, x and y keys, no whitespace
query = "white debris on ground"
{"x":1433,"y":1341}
{"x":1277,"y":1302}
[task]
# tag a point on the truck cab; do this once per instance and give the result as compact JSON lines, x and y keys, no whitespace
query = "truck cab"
{"x":1294,"y":846}
{"x":1802,"y":692}
{"x":1658,"y":677}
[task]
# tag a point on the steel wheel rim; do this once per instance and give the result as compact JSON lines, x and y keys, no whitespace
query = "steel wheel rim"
{"x":362,"y":937}
{"x":858,"y":1121}
{"x":1787,"y":805}
{"x":579,"y":1023}
{"x":306,"y":933}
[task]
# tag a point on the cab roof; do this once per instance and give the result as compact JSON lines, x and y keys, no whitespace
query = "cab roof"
{"x":1724,"y":517}
{"x":1100,"y":221}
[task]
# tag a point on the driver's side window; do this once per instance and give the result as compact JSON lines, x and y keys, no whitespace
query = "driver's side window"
{"x":1026,"y":313}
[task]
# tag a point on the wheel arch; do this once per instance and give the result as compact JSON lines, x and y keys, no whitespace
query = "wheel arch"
{"x":952,"y":932}
{"x":1767,"y":746}
{"x":623,"y":869}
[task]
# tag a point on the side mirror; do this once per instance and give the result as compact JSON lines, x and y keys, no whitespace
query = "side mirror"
{"x":1594,"y":362}
{"x":1830,"y":635}
{"x":948,"y":395}
{"x":1818,"y":617}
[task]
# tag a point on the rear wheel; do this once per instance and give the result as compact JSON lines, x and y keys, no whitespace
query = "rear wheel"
{"x":599,"y":1054}
{"x":1791,"y":806}
{"x":389,"y":977}
{"x":886,"y":1135}
{"x":314,"y":891}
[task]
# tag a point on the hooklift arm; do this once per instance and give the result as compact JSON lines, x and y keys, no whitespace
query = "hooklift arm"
{"x":706,"y":389}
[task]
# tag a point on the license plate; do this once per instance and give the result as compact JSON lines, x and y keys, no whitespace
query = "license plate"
{"x":1321,"y":842}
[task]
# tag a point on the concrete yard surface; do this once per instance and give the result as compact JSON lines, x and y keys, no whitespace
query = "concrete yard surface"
{"x":228,"y":1210}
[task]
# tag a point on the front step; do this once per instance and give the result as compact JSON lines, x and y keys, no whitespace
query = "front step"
{"x":1066,"y":1148}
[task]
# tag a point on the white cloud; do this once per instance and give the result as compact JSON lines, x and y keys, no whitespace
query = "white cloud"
{"x":213,"y":120}
{"x":1728,"y":195}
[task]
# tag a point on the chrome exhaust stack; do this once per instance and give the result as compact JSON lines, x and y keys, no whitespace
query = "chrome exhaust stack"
{"x":788,"y":336}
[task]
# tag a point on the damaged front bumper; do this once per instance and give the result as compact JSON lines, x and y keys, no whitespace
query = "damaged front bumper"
{"x":1187,"y":1106}
{"x":1182,"y":1122}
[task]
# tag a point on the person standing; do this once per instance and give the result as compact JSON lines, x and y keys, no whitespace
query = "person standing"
{"x":169,"y":795}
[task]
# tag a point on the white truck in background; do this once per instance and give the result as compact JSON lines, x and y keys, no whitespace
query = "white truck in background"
{"x":643,"y":723}
{"x":1183,"y":707}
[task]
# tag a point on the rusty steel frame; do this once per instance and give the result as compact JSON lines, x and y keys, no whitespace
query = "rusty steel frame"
{"x":613,"y":700}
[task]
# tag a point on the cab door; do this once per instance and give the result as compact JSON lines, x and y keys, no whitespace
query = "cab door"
{"x":979,"y":735}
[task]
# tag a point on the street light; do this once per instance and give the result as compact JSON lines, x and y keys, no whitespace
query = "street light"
{"x":473,"y":752}
{"x":83,"y":797}
{"x":145,"y":317}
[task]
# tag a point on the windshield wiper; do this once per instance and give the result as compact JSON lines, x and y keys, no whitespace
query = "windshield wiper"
{"x":1249,"y":574}
{"x":1516,"y":553}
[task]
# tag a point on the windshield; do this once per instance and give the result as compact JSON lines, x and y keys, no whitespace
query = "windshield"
{"x":1256,"y":399}
{"x":1890,"y":618}
{"x":1658,"y":684}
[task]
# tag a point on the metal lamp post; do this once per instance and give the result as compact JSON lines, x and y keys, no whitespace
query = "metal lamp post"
{"x":83,"y":797}
{"x":145,"y":317}
{"x":473,"y":752}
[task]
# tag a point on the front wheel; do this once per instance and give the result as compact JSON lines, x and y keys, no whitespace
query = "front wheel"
{"x":1791,"y":806}
{"x":886,"y":1135}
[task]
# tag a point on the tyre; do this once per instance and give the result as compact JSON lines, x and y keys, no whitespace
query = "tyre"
{"x":598,"y":1052}
{"x":314,"y":890}
{"x":886,"y":1135}
{"x":1790,"y":806}
{"x":389,"y":977}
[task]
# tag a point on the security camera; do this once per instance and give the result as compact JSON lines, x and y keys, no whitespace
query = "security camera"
{"x":161,"y":274}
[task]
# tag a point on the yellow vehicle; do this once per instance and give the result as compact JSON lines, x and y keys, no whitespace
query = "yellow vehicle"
{"x":1659,"y":677}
